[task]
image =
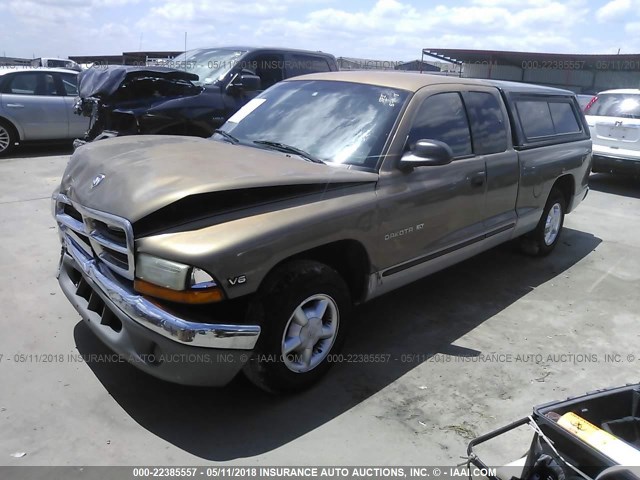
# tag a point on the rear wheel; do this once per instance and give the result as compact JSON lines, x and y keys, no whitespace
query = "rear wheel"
{"x":7,"y":137}
{"x":545,"y":237}
{"x":304,"y":309}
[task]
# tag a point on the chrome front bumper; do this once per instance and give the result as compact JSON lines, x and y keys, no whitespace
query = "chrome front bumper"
{"x":128,"y":305}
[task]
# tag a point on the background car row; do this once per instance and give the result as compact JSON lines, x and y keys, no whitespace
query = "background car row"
{"x":38,"y":104}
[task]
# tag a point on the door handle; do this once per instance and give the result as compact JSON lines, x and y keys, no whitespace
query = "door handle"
{"x":15,"y":105}
{"x":477,"y":179}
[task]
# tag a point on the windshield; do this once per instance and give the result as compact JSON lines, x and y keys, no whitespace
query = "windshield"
{"x":336,"y":122}
{"x":583,"y":100}
{"x":210,"y":65}
{"x":616,"y":105}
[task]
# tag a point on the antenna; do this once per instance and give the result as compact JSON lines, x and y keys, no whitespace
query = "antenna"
{"x":185,"y":51}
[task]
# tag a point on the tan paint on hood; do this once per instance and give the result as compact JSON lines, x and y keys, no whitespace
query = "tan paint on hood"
{"x":146,"y":172}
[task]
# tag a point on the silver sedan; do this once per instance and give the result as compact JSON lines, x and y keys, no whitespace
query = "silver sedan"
{"x":37,"y":104}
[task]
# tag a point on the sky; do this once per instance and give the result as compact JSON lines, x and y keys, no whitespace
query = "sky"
{"x":394,"y":30}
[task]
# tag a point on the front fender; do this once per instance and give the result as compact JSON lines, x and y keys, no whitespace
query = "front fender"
{"x":251,"y":246}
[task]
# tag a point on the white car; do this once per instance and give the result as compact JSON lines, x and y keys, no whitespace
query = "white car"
{"x":614,"y":121}
{"x":36,"y":104}
{"x":56,"y":63}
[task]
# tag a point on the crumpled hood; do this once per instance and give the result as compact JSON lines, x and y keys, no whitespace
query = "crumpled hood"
{"x":145,"y":173}
{"x":105,"y":81}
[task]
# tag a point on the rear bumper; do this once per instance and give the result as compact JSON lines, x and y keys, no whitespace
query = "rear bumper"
{"x":148,"y":337}
{"x":611,"y":164}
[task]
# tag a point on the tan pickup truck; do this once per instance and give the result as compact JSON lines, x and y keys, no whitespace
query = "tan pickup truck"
{"x":198,"y":258}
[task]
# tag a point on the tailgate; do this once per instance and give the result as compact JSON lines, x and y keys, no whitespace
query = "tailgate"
{"x":615,"y":132}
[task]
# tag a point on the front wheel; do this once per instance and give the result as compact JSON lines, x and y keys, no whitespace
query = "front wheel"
{"x":304,"y":308}
{"x":545,"y":237}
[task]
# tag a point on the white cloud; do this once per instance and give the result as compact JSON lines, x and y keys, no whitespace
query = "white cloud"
{"x":613,"y":10}
{"x":632,"y":28}
{"x":58,"y":13}
{"x":385,"y":29}
{"x":508,"y":3}
{"x":392,"y":28}
{"x":208,"y":23}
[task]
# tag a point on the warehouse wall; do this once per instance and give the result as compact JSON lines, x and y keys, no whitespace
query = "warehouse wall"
{"x":576,"y":80}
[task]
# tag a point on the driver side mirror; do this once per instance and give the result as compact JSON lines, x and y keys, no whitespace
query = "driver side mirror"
{"x":427,"y":153}
{"x":246,"y":81}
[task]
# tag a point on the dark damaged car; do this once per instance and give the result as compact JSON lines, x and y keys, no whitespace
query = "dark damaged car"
{"x":123,"y":100}
{"x":193,"y":94}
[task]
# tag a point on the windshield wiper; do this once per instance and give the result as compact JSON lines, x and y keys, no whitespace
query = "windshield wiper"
{"x":283,"y":147}
{"x":228,"y":136}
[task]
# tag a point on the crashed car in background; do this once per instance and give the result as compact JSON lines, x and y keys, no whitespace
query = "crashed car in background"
{"x":193,"y":94}
{"x":123,"y":100}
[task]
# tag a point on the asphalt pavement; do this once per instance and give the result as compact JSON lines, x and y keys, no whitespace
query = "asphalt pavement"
{"x":462,"y":352}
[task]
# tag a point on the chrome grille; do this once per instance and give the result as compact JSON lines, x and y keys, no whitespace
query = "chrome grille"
{"x":101,"y":235}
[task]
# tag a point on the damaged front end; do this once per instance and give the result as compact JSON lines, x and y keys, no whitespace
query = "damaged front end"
{"x":120,"y":100}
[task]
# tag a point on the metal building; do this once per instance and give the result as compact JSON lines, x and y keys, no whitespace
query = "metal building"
{"x":14,"y":62}
{"x":581,"y":73}
{"x":418,"y":66}
{"x":352,"y":63}
{"x":127,"y":58}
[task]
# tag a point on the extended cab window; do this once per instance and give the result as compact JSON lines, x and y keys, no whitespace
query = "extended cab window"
{"x":487,"y":122}
{"x":535,"y":118}
{"x":547,"y":117}
{"x":564,"y":118}
{"x":442,"y":117}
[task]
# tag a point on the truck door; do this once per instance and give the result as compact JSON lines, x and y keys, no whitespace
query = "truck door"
{"x":433,"y":210}
{"x":490,"y":131}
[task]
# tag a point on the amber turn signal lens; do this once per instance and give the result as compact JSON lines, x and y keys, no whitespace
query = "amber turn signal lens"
{"x":199,"y":296}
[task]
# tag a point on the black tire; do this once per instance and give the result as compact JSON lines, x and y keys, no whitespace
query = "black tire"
{"x":537,"y":243}
{"x":8,"y":137}
{"x":286,"y":289}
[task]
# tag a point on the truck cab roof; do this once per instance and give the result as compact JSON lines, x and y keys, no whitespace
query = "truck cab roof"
{"x":414,"y":81}
{"x":247,"y":49}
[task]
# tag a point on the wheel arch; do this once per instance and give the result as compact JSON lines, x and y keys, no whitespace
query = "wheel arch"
{"x":567,"y":185}
{"x":19,"y":134}
{"x":347,"y":257}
